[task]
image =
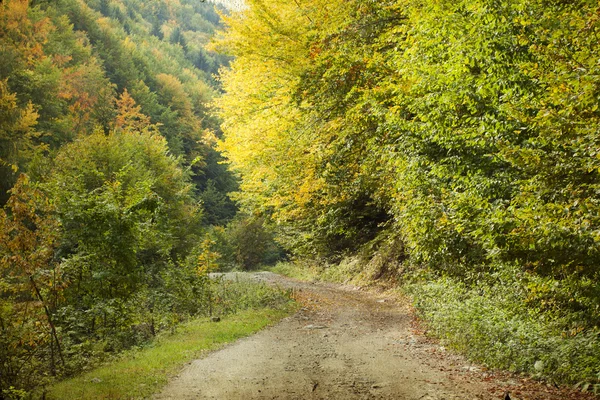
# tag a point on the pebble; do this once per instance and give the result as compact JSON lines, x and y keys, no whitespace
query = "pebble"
{"x":311,"y":326}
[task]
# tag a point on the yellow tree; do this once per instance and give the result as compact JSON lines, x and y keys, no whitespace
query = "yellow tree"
{"x":129,"y":115}
{"x":270,"y":137}
{"x":30,"y":284}
{"x":17,"y":137}
{"x":16,"y":128}
{"x":298,"y":155}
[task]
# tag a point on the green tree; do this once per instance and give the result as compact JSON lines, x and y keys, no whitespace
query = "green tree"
{"x":127,"y":213}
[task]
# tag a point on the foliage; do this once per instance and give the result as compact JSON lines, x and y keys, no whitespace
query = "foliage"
{"x":17,"y":134}
{"x":456,"y":162}
{"x":296,"y":270}
{"x":128,"y":216}
{"x":286,"y":151}
{"x":98,"y":259}
{"x":246,"y":243}
{"x":66,"y":62}
{"x":252,"y":242}
{"x":500,"y":328}
{"x":207,"y":259}
{"x":141,"y":372}
{"x":31,"y":285}
{"x":311,"y":270}
{"x":461,"y":136}
{"x":124,"y":203}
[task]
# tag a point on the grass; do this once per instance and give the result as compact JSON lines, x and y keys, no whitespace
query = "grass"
{"x":296,"y":271}
{"x":140,"y":373}
{"x":345,"y":272}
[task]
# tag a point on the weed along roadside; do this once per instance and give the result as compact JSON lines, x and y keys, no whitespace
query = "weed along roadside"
{"x":139,"y":373}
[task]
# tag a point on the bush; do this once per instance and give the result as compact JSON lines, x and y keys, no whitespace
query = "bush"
{"x":493,"y":323}
{"x":245,"y":243}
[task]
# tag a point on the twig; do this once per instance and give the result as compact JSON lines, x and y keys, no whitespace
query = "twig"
{"x":39,"y":295}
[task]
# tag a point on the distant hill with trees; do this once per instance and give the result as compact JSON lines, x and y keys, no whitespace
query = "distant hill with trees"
{"x":109,"y":179}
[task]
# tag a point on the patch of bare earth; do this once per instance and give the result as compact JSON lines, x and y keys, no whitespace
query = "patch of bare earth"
{"x":346,"y":344}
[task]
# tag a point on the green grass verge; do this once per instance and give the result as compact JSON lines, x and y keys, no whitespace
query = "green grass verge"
{"x":138,"y":374}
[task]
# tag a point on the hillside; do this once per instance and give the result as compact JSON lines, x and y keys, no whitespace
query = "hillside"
{"x":108,"y":178}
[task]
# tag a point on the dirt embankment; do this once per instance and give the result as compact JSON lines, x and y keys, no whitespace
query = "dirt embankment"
{"x":345,"y":344}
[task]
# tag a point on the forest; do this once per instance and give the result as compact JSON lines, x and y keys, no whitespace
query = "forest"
{"x":448,"y":148}
{"x":110,"y":187}
{"x":451,"y":146}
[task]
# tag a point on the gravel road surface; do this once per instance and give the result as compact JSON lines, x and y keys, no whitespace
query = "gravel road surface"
{"x":344,"y":343}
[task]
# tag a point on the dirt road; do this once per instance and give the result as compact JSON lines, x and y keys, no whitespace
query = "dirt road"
{"x":343,"y":344}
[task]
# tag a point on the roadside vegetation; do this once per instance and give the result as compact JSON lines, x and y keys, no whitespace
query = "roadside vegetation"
{"x":238,"y":308}
{"x":449,"y":146}
{"x":501,"y":329}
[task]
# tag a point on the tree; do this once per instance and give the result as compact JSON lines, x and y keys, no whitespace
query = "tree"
{"x":129,"y":115}
{"x":300,"y":163}
{"x":17,"y":137}
{"x":127,"y":215}
{"x":30,"y":287}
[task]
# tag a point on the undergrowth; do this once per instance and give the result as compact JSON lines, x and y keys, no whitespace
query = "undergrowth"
{"x":495,"y":323}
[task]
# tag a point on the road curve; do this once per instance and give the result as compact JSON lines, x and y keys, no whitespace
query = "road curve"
{"x":343,"y":344}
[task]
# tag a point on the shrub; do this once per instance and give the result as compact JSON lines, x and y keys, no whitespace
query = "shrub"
{"x":494,"y":323}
